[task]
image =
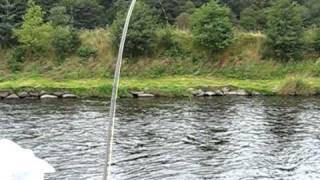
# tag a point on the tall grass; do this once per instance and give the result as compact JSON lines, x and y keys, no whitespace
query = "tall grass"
{"x":297,"y":86}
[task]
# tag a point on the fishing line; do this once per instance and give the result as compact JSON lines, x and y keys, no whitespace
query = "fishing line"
{"x":113,"y":104}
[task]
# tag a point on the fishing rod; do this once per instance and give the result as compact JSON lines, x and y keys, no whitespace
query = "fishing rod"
{"x":110,"y":131}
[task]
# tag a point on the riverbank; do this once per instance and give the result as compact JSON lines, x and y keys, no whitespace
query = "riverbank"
{"x":176,"y":86}
{"x":179,"y":71}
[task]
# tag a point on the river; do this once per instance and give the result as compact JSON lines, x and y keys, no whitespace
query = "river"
{"x":220,"y":138}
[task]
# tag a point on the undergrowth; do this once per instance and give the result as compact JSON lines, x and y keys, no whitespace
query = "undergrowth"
{"x":174,"y":55}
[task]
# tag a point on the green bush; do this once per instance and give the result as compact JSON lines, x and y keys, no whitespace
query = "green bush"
{"x":87,"y":52}
{"x":167,"y":40}
{"x":285,"y":30}
{"x":141,"y":34}
{"x":65,"y":41}
{"x":211,"y":27}
{"x":17,"y":57}
{"x":34,"y":33}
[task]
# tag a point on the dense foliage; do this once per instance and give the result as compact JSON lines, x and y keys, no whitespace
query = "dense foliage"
{"x":37,"y":36}
{"x":93,"y":13}
{"x":211,"y":27}
{"x":53,"y":26}
{"x":84,"y":13}
{"x":311,"y":13}
{"x":253,"y":18}
{"x":140,"y":38}
{"x":65,"y":41}
{"x":6,"y":23}
{"x":34,"y":34}
{"x":285,"y":30}
{"x":58,"y":16}
{"x":11,"y":12}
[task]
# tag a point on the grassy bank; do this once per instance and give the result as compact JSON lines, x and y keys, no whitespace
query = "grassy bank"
{"x":171,"y":71}
{"x":242,"y":60}
{"x":176,"y":86}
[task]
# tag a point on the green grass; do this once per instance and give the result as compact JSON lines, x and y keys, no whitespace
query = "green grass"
{"x":166,"y":86}
{"x":297,"y":86}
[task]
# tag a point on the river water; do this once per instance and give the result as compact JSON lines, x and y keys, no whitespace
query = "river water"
{"x":221,"y":138}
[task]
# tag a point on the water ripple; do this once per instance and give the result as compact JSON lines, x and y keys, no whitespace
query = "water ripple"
{"x":223,"y":138}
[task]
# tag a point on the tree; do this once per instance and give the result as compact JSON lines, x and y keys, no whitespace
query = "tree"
{"x":109,"y":7}
{"x":11,"y":12}
{"x":20,"y":8}
{"x":183,"y":21}
{"x":6,"y":23}
{"x":34,"y":34}
{"x":211,"y":27}
{"x":261,"y":4}
{"x":301,"y":1}
{"x":253,"y":18}
{"x":167,"y":11}
{"x":188,"y":7}
{"x":59,"y":17}
{"x":237,"y":5}
{"x":311,"y":15}
{"x":284,"y":30}
{"x":107,"y":4}
{"x":199,"y":3}
{"x":86,"y":14}
{"x":248,"y":19}
{"x":46,"y":5}
{"x":116,"y":7}
{"x":141,"y":34}
{"x":65,"y":41}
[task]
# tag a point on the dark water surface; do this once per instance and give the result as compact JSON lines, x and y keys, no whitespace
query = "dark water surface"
{"x":223,"y":138}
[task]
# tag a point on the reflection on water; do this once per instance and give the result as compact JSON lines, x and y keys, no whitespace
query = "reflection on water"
{"x":223,"y":138}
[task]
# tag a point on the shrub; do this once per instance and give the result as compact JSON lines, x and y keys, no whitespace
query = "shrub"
{"x":34,"y":33}
{"x":87,"y":52}
{"x":284,"y":30}
{"x":211,"y":27}
{"x":17,"y":57}
{"x":14,"y":65}
{"x":65,"y":41}
{"x":170,"y":43}
{"x":141,"y":35}
{"x":297,"y":86}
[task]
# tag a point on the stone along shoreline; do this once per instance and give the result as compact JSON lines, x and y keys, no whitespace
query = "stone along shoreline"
{"x":33,"y":94}
{"x":36,"y":95}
